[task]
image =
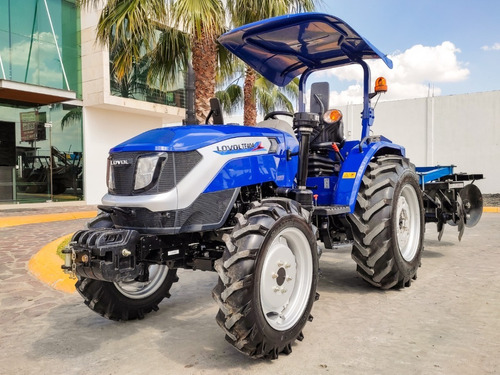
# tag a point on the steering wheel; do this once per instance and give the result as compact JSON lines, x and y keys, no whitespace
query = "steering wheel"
{"x":273,"y":114}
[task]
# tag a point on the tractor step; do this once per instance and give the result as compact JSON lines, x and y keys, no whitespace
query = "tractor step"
{"x":330,"y":210}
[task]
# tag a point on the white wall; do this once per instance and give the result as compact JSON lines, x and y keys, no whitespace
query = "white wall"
{"x":463,"y":130}
{"x":104,"y":129}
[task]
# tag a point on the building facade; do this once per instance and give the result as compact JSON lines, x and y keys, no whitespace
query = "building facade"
{"x":61,"y":110}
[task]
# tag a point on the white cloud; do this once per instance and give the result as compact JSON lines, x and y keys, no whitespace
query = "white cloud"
{"x":494,"y":47}
{"x":43,"y":44}
{"x":45,"y":67}
{"x":415,"y":71}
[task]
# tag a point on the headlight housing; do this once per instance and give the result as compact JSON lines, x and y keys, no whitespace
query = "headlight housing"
{"x":332,"y":116}
{"x":110,"y":176}
{"x":146,"y":170}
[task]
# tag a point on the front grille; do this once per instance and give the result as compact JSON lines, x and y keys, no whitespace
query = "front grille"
{"x":208,"y":212}
{"x":172,"y":174}
{"x":176,"y":166}
{"x":123,"y":166}
{"x":185,"y":162}
{"x":141,"y":218}
{"x":208,"y":209}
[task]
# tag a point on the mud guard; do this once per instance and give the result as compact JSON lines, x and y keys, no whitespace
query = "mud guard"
{"x":357,"y":156}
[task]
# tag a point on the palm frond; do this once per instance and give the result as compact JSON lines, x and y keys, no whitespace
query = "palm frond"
{"x":73,"y":116}
{"x":170,"y":56}
{"x":90,"y":4}
{"x":129,"y":28}
{"x":292,"y":89}
{"x":231,"y":98}
{"x":198,"y":18}
{"x":273,"y":98}
{"x":243,"y":12}
{"x":130,"y":20}
{"x":228,"y":66}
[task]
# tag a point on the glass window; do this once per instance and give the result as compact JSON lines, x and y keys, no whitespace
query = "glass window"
{"x":28,"y":46}
{"x":46,"y":161}
{"x":136,"y":86}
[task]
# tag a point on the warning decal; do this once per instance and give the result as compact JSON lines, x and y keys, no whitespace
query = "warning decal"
{"x":349,"y":175}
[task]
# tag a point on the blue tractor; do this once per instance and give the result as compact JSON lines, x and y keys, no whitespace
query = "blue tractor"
{"x":258,"y":205}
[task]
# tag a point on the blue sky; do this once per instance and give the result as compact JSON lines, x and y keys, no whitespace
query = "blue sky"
{"x":450,"y":45}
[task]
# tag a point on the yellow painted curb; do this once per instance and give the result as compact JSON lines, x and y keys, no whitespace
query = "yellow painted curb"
{"x":491,"y":209}
{"x":46,"y":266}
{"x":34,"y":219}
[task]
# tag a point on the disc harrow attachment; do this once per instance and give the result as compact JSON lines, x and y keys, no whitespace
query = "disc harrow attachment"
{"x":448,"y":199}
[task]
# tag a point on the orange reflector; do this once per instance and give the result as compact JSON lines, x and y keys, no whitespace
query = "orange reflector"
{"x":332,"y":116}
{"x":380,"y":85}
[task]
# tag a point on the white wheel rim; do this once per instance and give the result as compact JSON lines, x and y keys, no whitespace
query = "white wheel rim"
{"x":408,"y":223}
{"x":286,"y":279}
{"x":138,"y":289}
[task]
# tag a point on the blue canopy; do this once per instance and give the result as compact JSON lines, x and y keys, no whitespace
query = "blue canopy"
{"x":283,"y":47}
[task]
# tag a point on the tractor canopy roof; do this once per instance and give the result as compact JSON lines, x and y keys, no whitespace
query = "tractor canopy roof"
{"x":281,"y":48}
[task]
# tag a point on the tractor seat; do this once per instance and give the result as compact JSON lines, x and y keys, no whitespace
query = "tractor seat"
{"x":278,"y":125}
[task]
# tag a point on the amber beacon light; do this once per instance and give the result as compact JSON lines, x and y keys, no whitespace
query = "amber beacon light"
{"x":380,"y":85}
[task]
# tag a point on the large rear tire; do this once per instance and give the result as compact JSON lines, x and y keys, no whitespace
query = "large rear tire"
{"x":126,"y":300}
{"x":267,"y":278}
{"x":388,"y":223}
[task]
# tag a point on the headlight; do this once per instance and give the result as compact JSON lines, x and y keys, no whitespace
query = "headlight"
{"x":145,"y":171}
{"x":110,"y":177}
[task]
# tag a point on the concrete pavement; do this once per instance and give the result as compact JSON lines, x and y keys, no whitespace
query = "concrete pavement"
{"x":448,"y":322}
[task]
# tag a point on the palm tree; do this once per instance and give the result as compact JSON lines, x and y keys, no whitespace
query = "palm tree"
{"x":129,"y":28}
{"x":268,"y":97}
{"x":204,"y":21}
{"x":247,"y":11}
{"x":134,"y":28}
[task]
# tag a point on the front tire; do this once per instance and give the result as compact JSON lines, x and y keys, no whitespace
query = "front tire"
{"x":125,"y":300}
{"x":388,"y":223}
{"x":267,"y":278}
{"x":128,"y":300}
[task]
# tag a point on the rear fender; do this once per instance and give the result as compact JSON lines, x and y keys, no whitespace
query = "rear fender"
{"x":354,"y":167}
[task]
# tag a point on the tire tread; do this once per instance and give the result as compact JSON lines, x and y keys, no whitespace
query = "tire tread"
{"x":371,"y":222}
{"x":233,"y":292}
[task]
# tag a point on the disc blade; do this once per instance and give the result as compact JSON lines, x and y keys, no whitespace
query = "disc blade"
{"x":440,"y":227}
{"x":461,"y":218}
{"x":472,"y":200}
{"x":439,"y":216}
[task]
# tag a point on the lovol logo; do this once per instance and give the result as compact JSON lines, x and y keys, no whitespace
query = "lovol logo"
{"x":120,"y":162}
{"x":239,"y":148}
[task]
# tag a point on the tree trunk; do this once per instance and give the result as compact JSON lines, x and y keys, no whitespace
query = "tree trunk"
{"x":204,"y":66}
{"x":250,"y":107}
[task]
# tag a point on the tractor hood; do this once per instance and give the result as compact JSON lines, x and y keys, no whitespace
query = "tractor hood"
{"x":188,"y":138}
{"x":281,"y":48}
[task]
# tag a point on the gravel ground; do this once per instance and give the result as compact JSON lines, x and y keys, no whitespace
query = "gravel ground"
{"x":491,"y":200}
{"x":446,"y":323}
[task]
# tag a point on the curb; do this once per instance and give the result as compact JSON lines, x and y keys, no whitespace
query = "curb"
{"x":45,"y":265}
{"x":13,"y":221}
{"x":491,"y":209}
